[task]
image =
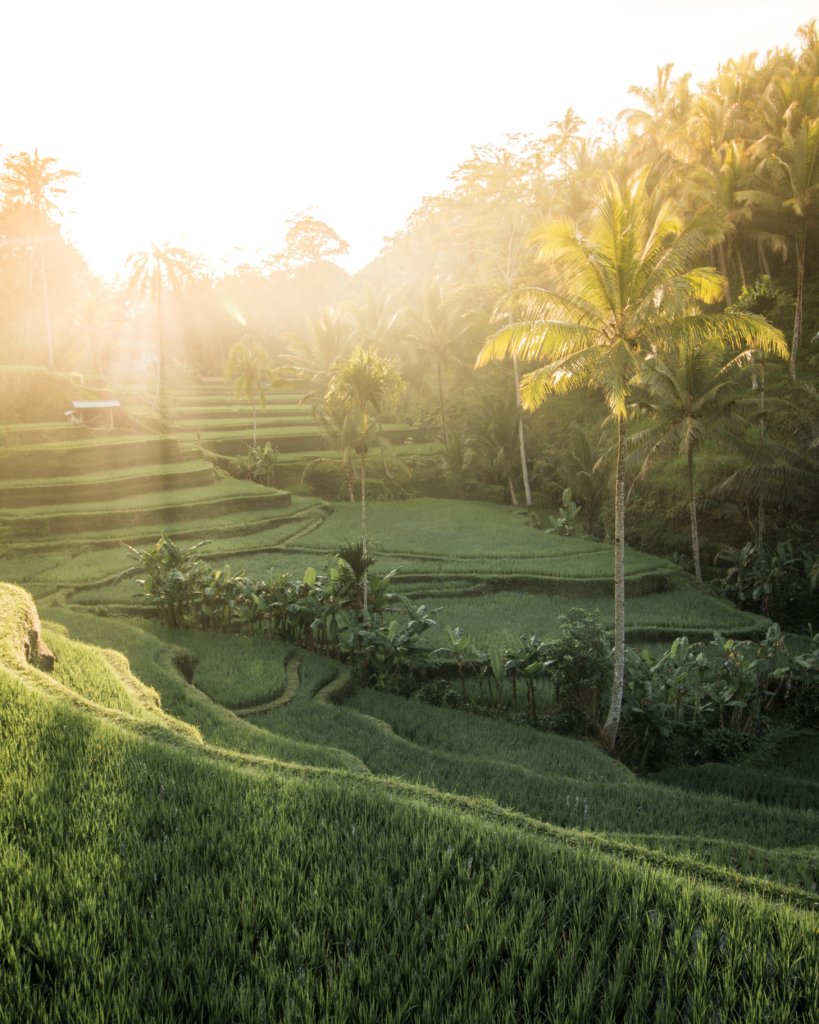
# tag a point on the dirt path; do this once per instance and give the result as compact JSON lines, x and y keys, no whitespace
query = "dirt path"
{"x":293,"y":682}
{"x":326,"y":695}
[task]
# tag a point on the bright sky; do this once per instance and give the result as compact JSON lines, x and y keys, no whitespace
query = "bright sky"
{"x":207,"y":123}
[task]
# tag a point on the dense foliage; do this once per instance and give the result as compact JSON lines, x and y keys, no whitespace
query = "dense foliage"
{"x":695,"y":702}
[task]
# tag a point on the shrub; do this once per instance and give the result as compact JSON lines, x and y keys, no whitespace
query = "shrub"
{"x":580,"y":670}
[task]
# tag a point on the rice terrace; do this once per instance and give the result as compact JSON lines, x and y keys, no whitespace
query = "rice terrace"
{"x":434,"y":641}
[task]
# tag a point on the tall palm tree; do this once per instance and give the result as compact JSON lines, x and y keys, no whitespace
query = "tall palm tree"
{"x":628,"y":286}
{"x":789,"y":168}
{"x":687,"y":391}
{"x":795,"y":171}
{"x":436,"y":328}
{"x":715,"y":189}
{"x":313,"y":351}
{"x":154,"y":271}
{"x":249,"y":369}
{"x":97,"y":320}
{"x":364,"y":385}
{"x":33,"y":182}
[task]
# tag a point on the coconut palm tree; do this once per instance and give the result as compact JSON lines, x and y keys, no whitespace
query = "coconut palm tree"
{"x":154,"y":271}
{"x":97,"y":321}
{"x":313,"y":350}
{"x":794,"y":171}
{"x":687,"y":391}
{"x":33,"y":182}
{"x":364,"y":385}
{"x":249,"y":369}
{"x":436,"y":328}
{"x":629,"y":285}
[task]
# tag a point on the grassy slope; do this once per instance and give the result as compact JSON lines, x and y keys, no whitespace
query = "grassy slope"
{"x":553,"y":779}
{"x":145,"y":876}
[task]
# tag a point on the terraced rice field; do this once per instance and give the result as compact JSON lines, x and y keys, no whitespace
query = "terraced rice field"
{"x":205,"y":827}
{"x":69,"y":508}
{"x":710,"y":821}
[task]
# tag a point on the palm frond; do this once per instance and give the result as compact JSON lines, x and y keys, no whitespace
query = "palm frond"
{"x":536,"y":342}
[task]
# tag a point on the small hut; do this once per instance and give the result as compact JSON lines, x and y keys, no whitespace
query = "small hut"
{"x":94,"y":414}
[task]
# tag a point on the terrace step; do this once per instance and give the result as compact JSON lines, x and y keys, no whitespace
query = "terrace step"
{"x":475,"y":585}
{"x":38,"y":461}
{"x":284,"y":414}
{"x":65,"y":523}
{"x":61,"y":492}
{"x":223,"y":444}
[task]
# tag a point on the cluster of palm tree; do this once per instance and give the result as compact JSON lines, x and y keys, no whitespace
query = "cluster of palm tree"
{"x":629,"y":309}
{"x":29,"y":187}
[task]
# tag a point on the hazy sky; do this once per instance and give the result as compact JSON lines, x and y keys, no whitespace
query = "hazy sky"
{"x":207,"y":124}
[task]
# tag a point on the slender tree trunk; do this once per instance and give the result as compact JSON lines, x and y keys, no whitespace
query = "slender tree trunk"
{"x":46,"y":307}
{"x":761,"y":508}
{"x":253,"y":404}
{"x":512,"y":495}
{"x":692,"y":505}
{"x":740,"y":267}
{"x":801,"y":239}
{"x":723,"y":266}
{"x":365,"y":580}
{"x":441,"y":402}
{"x":161,"y":395}
{"x":524,"y":469}
{"x":763,"y":259}
{"x":612,"y":723}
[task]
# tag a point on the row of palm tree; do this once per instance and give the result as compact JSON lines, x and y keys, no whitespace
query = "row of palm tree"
{"x":30,"y":184}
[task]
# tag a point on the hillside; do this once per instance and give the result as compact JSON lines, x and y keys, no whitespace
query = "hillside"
{"x":150,"y":872}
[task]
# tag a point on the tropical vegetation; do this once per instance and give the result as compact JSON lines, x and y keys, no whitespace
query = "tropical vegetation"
{"x":436,"y":641}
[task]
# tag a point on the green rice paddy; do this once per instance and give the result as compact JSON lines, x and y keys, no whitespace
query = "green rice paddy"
{"x":203,"y":827}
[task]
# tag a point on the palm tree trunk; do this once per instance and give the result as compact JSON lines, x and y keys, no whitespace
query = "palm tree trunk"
{"x":612,"y":723}
{"x":364,"y":528}
{"x":763,"y":259}
{"x":801,"y":239}
{"x":723,"y":266}
{"x":253,"y":403}
{"x":441,"y":402}
{"x":161,"y":397}
{"x":46,"y":307}
{"x":524,"y":469}
{"x":761,"y":507}
{"x":692,"y":504}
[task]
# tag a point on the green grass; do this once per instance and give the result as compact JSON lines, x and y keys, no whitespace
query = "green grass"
{"x":161,"y":510}
{"x":750,"y":784}
{"x":521,"y":588}
{"x":560,"y":781}
{"x":220,"y":528}
{"x":512,"y":614}
{"x":95,"y":455}
{"x":235,"y":671}
{"x":156,"y":664}
{"x":150,"y":879}
{"x":173,"y":496}
{"x":104,"y":487}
